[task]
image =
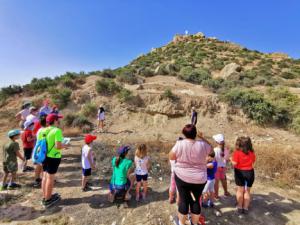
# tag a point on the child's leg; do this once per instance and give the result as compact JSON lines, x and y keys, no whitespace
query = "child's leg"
{"x":44,"y":181}
{"x":37,"y":172}
{"x":137,"y":190}
{"x":216,"y":188}
{"x":247,"y":198}
{"x":4,"y":180}
{"x":49,"y":185}
{"x":145,"y":188}
{"x":224,"y":184}
{"x":84,"y":181}
{"x":240,"y":197}
{"x":13,"y":177}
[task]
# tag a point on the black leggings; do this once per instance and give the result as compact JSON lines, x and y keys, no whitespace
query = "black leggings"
{"x":186,"y":201}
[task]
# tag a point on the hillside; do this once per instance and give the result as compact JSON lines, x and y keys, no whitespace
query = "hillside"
{"x":149,"y":101}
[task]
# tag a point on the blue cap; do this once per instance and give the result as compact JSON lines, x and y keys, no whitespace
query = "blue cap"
{"x":42,"y":114}
{"x":13,"y":133}
{"x":123,"y":150}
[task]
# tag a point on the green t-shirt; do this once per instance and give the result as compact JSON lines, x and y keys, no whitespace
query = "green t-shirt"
{"x":54,"y":135}
{"x":10,"y":152}
{"x":119,"y":176}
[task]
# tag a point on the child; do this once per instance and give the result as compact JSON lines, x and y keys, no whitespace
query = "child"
{"x":222,"y":156}
{"x":243,"y":160}
{"x":87,"y":161}
{"x":208,"y":191}
{"x":11,"y":151}
{"x":101,"y":118}
{"x":28,"y":140}
{"x":142,"y":165}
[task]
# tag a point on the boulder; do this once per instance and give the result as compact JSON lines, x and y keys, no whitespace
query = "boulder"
{"x":229,"y":70}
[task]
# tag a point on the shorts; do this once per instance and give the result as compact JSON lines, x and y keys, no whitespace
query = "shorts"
{"x":86,"y":172}
{"x":27,"y":153}
{"x":209,"y":186}
{"x":10,"y":167}
{"x":244,"y":177}
{"x":221,"y":173}
{"x":140,"y":178}
{"x":114,"y":187}
{"x":51,"y":165}
{"x":187,"y":203}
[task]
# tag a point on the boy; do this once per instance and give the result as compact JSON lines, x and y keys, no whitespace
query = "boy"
{"x":28,"y":140}
{"x":208,"y":192}
{"x":11,"y":151}
{"x":87,"y":161}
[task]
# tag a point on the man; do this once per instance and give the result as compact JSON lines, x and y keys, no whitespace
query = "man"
{"x":54,"y":139}
{"x":194,"y":116}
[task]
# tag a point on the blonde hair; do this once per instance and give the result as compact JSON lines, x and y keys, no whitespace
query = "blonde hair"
{"x":141,"y":151}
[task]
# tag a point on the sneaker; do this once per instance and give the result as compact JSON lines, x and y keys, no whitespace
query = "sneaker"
{"x":86,"y":188}
{"x":210,"y":204}
{"x":53,"y":196}
{"x":239,"y":211}
{"x":13,"y":186}
{"x":204,"y":205}
{"x":246,"y":211}
{"x":144,"y":197}
{"x":3,"y":187}
{"x":37,"y":183}
{"x":51,"y":201}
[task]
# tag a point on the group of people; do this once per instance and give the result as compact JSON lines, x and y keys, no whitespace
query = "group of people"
{"x":197,"y":167}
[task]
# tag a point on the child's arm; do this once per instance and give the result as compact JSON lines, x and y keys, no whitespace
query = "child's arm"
{"x":90,"y":159}
{"x":210,"y":165}
{"x":19,"y":155}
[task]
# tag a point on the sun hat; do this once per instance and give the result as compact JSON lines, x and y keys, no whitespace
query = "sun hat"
{"x":53,"y":117}
{"x":219,"y":138}
{"x":89,"y":138}
{"x":28,"y":123}
{"x":123,"y":149}
{"x":32,"y":109}
{"x":13,"y":133}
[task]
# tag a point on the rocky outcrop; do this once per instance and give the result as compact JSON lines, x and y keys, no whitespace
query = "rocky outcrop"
{"x":229,"y":70}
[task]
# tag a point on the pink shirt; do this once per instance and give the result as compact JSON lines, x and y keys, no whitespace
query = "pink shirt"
{"x":191,"y":160}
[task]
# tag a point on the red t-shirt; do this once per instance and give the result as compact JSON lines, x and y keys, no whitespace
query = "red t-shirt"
{"x":25,"y":135}
{"x":37,"y":126}
{"x":244,"y":161}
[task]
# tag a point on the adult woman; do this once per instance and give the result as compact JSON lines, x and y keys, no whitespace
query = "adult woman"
{"x":122,"y":169}
{"x":243,"y":159}
{"x":190,"y":172}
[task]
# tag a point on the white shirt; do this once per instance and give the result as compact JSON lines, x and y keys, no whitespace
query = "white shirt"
{"x":141,"y":165}
{"x":101,"y":116}
{"x":32,"y":118}
{"x":84,"y":157}
{"x":24,"y":113}
{"x":221,"y":160}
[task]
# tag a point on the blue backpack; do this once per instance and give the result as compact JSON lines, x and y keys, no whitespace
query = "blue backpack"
{"x":40,"y":149}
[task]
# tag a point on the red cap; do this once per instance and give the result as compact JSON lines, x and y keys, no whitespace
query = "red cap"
{"x":53,"y":117}
{"x":89,"y":138}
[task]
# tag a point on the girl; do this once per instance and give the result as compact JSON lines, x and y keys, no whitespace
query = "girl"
{"x":243,"y":159}
{"x":101,"y":118}
{"x":221,"y":156}
{"x":122,"y":169}
{"x":142,"y":165}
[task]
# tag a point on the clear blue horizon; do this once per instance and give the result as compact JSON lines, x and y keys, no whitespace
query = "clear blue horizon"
{"x":47,"y":38}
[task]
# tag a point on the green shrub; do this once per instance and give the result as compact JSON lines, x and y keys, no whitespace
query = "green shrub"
{"x":295,"y":125}
{"x":168,"y":94}
{"x":192,"y":75}
{"x":127,"y":77}
{"x":146,"y":72}
{"x":68,"y":119}
{"x":288,"y":75}
{"x":81,"y":121}
{"x":89,"y":110}
{"x":40,"y":85}
{"x":60,"y":97}
{"x":125,"y":95}
{"x":213,"y":84}
{"x":107,"y":87}
{"x":283,"y":98}
{"x":253,"y":104}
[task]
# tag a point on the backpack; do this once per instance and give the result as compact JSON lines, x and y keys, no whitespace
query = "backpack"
{"x":40,"y":149}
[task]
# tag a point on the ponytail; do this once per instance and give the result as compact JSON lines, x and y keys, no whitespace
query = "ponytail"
{"x":223,"y":148}
{"x":119,"y":159}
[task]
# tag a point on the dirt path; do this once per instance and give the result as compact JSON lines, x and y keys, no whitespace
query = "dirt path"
{"x":270,"y":207}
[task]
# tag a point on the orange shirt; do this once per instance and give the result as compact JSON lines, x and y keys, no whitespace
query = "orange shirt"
{"x":244,"y":161}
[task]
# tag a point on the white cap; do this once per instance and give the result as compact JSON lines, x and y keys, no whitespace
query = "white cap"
{"x":219,"y":138}
{"x":28,"y":123}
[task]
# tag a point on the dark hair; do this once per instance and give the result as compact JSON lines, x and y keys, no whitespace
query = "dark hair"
{"x":189,"y":131}
{"x":212,"y":154}
{"x":244,"y":144}
{"x":222,"y":148}
{"x":101,"y":109}
{"x":119,"y":159}
{"x":43,"y":121}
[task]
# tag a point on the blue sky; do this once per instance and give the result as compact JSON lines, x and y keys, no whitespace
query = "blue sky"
{"x":49,"y":37}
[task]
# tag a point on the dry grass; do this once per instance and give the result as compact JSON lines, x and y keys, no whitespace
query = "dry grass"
{"x":281,"y":166}
{"x":72,"y":131}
